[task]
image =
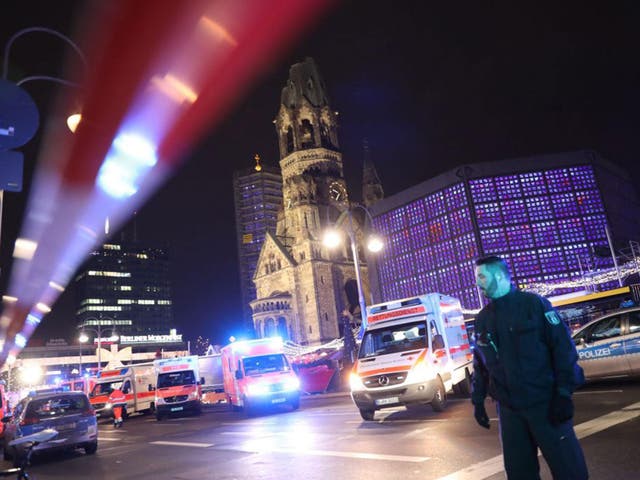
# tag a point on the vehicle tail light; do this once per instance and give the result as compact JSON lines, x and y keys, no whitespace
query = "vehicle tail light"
{"x":29,"y":421}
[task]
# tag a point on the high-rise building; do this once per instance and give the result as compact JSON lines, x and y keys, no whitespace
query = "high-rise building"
{"x":547,"y":215}
{"x":258,"y":197}
{"x":126,"y":285}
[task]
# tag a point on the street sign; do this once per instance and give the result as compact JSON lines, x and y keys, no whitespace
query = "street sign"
{"x":18,"y":116}
{"x":11,"y":171}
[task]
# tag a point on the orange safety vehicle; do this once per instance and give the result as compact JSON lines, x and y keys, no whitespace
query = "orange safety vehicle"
{"x":137,"y":382}
{"x":178,"y":386}
{"x":257,"y":374}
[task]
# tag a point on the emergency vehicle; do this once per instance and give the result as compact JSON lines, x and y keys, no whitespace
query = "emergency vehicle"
{"x":258,"y":374}
{"x":137,"y":382}
{"x":178,"y":386}
{"x":413,"y":352}
{"x":79,"y":384}
{"x":212,"y":380}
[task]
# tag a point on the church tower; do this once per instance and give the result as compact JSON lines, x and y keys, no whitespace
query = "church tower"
{"x":295,"y":270}
{"x":371,"y":185}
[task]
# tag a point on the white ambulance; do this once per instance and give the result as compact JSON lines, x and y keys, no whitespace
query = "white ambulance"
{"x":178,"y":386}
{"x":137,"y":382}
{"x":413,"y":352}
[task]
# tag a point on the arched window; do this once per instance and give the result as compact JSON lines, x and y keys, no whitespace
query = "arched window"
{"x":306,"y":134}
{"x":289,"y":139}
{"x":283,"y":331}
{"x":270,"y":328}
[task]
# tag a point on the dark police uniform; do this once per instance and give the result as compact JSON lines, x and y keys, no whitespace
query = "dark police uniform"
{"x":523,"y":358}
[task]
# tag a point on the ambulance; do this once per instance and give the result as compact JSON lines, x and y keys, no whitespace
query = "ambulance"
{"x":413,"y":352}
{"x":257,"y":374}
{"x":137,"y":382}
{"x":212,"y":380}
{"x":178,"y":386}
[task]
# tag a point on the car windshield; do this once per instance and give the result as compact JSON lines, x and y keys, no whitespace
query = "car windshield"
{"x":393,"y":339}
{"x":174,"y":379}
{"x":265,"y":364}
{"x":105,"y":388}
{"x":57,"y":406}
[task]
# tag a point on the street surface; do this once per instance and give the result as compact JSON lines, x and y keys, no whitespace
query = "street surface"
{"x":326,"y":439}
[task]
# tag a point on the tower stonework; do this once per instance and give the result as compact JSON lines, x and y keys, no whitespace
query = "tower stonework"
{"x":300,"y":284}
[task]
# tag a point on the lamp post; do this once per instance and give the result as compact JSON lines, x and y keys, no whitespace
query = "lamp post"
{"x":98,"y":331}
{"x":332,"y":238}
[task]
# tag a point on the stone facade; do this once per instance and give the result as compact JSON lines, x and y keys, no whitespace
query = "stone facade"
{"x":301,"y":285}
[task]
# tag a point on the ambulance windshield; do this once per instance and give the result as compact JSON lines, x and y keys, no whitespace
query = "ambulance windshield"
{"x":265,"y":364}
{"x":176,"y":379}
{"x":105,"y":388}
{"x":393,"y":339}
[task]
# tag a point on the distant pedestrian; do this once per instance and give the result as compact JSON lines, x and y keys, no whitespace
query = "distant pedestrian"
{"x":525,"y":359}
{"x":118,"y":402}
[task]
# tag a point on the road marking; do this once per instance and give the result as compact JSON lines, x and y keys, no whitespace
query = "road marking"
{"x":492,"y":466}
{"x":334,"y":453}
{"x":182,"y":444}
{"x":591,"y":392}
{"x":106,"y":439}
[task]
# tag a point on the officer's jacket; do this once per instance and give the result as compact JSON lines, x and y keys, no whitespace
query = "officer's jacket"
{"x":523,"y":352}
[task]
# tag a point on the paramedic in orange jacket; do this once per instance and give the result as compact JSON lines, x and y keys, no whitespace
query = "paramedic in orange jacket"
{"x":118,"y":401}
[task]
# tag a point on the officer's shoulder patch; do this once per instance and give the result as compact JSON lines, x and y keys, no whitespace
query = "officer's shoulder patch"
{"x":552,"y":317}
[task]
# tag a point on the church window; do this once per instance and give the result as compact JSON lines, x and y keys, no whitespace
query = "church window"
{"x":301,"y":256}
{"x":326,"y":317}
{"x":306,"y":298}
{"x":322,"y":279}
{"x":310,"y":329}
{"x":289,"y":139}
{"x":279,"y":264}
{"x":306,"y":134}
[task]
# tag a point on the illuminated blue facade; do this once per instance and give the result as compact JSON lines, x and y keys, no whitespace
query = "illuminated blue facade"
{"x":545,"y":215}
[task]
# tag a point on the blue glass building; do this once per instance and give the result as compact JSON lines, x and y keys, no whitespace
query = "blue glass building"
{"x":546,"y":215}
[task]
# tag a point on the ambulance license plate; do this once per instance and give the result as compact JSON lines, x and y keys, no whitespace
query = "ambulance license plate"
{"x":278,"y":400}
{"x":176,"y":409}
{"x":386,"y":401}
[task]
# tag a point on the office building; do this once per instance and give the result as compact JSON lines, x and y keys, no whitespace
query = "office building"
{"x":547,"y":215}
{"x":125,"y":285}
{"x":258,"y":196}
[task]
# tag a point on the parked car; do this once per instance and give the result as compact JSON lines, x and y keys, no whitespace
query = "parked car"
{"x":69,"y":413}
{"x":609,"y":346}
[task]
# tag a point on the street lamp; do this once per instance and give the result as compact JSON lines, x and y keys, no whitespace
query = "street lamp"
{"x":83,"y":338}
{"x":333,"y":238}
{"x":74,"y":118}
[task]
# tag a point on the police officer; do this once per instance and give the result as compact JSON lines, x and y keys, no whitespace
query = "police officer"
{"x":525,"y":359}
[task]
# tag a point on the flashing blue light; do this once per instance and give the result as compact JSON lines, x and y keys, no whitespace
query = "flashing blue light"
{"x":20,"y":340}
{"x":33,"y":319}
{"x":129,"y":158}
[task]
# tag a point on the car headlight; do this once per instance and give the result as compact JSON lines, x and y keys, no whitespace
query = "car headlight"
{"x":355,"y":382}
{"x":419,"y":373}
{"x":256,"y":389}
{"x":107,"y":406}
{"x":291,"y":384}
{"x":193,"y":395}
{"x":160,"y":401}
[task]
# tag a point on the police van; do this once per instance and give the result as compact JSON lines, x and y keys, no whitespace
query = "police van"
{"x":413,"y":351}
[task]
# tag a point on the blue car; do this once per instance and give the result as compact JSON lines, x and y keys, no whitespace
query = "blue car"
{"x":610,"y":345}
{"x":69,"y":413}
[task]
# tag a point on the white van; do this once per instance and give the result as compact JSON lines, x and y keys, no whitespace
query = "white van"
{"x":413,"y":351}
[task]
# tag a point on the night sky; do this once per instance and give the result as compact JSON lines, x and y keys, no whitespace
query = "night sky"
{"x":431,"y":85}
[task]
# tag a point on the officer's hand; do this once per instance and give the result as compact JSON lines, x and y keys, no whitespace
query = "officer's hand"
{"x":481,"y":416}
{"x":561,"y":409}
